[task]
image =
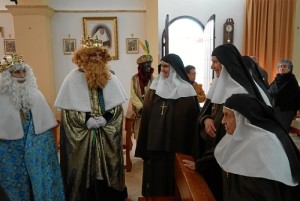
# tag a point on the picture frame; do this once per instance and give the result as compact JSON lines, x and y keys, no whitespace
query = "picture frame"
{"x":9,"y":46}
{"x":105,"y":28}
{"x":132,"y":45}
{"x":69,"y":45}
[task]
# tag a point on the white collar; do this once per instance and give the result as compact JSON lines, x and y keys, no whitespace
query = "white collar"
{"x":172,"y":87}
{"x":254,"y":152}
{"x":74,"y":93}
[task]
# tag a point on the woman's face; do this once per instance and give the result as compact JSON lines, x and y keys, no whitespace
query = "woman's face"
{"x":216,"y":65}
{"x":165,"y":69}
{"x":283,"y":68}
{"x":229,"y":120}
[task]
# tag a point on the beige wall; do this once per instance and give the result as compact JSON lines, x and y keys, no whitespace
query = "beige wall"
{"x":152,"y":30}
{"x":296,"y":58}
{"x":33,"y":37}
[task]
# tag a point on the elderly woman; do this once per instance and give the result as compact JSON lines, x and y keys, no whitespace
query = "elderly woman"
{"x":285,"y":93}
{"x":258,"y":157}
{"x":168,"y":125}
{"x":232,"y":76}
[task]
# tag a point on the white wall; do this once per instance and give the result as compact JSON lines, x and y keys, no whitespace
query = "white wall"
{"x":3,"y":3}
{"x":65,"y":23}
{"x":71,"y":23}
{"x":6,"y":21}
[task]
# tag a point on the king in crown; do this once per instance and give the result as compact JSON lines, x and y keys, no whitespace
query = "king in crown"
{"x":90,"y":42}
{"x":9,"y":61}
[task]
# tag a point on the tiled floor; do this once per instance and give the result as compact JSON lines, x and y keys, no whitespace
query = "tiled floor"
{"x":133,"y":179}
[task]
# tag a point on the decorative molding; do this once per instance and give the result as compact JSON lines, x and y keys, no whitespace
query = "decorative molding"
{"x":100,"y":11}
{"x":84,"y":11}
{"x":29,"y":6}
{"x":30,"y":10}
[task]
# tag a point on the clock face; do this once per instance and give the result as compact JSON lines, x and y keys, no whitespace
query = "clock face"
{"x":228,"y":27}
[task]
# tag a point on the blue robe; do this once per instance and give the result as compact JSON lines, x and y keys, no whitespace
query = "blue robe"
{"x":29,"y":167}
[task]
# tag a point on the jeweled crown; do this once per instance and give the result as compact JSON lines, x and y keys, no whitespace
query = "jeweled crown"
{"x":89,"y":42}
{"x":9,"y":61}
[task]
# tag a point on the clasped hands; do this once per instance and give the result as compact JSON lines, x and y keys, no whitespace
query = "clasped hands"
{"x":95,"y":122}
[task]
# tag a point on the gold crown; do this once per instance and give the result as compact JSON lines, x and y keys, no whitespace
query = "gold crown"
{"x":9,"y":61}
{"x":90,"y":42}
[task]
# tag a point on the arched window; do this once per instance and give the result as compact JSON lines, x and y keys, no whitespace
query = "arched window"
{"x":193,"y":42}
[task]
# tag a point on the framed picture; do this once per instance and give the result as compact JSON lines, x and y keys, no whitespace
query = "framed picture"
{"x":132,"y":45}
{"x":105,"y":28}
{"x":69,"y":45}
{"x":9,"y":46}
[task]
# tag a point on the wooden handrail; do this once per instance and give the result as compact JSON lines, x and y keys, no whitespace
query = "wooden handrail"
{"x":190,"y":184}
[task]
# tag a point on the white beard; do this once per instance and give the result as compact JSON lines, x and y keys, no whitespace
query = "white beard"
{"x":20,"y":93}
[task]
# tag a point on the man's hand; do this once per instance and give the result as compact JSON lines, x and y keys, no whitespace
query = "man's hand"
{"x":100,"y":121}
{"x":92,"y":123}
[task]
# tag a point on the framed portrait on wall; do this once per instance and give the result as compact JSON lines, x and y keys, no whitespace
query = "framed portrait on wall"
{"x":106,"y":29}
{"x":132,"y":45}
{"x":69,"y":45}
{"x":9,"y":46}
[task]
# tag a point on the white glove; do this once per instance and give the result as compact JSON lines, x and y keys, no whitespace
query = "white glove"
{"x":101,"y":121}
{"x":92,"y":123}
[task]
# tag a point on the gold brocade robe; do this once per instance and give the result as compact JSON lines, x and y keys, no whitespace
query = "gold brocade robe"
{"x":137,"y":97}
{"x":89,"y":154}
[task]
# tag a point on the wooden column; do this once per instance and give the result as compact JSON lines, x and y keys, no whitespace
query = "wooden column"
{"x":152,"y":31}
{"x":33,"y":37}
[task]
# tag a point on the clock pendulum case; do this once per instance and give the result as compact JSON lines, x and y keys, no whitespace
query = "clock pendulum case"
{"x":228,"y":31}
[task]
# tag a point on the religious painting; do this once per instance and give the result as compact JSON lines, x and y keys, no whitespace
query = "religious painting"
{"x":69,"y":45}
{"x":9,"y":46}
{"x":132,"y":45}
{"x":106,"y":29}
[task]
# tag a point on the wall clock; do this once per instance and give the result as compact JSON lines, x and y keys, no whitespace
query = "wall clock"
{"x":228,"y":31}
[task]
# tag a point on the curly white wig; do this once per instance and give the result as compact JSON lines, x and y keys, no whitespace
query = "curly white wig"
{"x":20,"y":94}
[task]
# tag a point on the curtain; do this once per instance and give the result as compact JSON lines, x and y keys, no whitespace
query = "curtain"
{"x":269,"y":32}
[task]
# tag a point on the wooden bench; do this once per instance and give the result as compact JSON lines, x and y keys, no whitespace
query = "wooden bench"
{"x":191,"y":186}
{"x":127,"y":143}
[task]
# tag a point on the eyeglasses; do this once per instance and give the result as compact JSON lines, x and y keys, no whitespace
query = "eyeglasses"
{"x":282,"y":66}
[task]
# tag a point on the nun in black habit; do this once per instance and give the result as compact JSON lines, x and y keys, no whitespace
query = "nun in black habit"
{"x":168,"y":125}
{"x":236,"y":76}
{"x":259,"y":159}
